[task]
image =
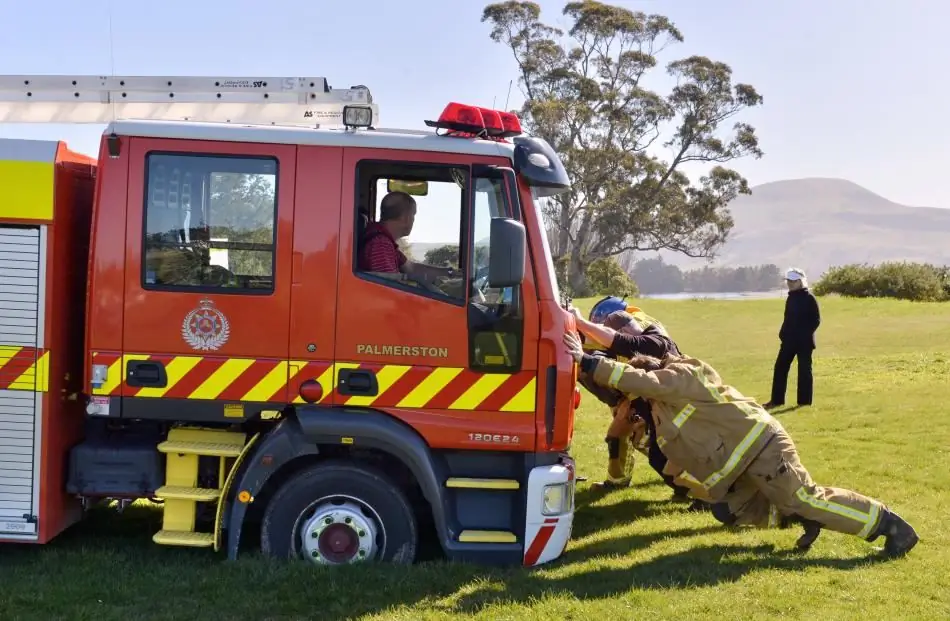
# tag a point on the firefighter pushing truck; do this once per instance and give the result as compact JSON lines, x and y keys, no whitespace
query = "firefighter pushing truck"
{"x":183,"y":319}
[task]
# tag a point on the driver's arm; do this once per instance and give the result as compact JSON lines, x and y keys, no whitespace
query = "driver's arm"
{"x":423,"y":270}
{"x":397,"y":276}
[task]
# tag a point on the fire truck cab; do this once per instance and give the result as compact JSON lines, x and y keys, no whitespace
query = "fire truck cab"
{"x":218,"y":314}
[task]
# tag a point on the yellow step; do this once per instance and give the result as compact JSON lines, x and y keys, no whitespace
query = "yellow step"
{"x":183,"y":538}
{"x":487,"y":536}
{"x":469,"y":483}
{"x":196,"y":494}
{"x":211,"y":449}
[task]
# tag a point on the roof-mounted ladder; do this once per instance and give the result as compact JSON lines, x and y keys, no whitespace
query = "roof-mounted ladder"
{"x":248,"y":100}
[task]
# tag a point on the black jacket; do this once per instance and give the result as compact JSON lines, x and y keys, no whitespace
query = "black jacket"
{"x":802,"y":319}
{"x":650,"y":343}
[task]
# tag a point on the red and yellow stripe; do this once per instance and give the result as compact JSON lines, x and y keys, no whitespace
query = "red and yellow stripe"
{"x":24,"y":368}
{"x":277,"y":381}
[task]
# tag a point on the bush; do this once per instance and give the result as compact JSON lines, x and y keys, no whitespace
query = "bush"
{"x":607,"y":277}
{"x":920,"y":282}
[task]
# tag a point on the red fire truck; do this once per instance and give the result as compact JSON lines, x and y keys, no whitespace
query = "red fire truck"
{"x":187,"y":319}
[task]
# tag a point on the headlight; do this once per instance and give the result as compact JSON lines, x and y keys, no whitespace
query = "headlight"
{"x":557,"y":499}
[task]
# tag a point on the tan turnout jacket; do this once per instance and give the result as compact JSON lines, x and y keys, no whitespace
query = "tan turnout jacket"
{"x":705,"y":427}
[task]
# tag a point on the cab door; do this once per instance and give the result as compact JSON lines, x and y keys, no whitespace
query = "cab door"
{"x":207,"y":279}
{"x":435,"y":356}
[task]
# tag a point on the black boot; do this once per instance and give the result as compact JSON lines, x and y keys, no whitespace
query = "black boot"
{"x":812,"y":530}
{"x":699,"y":506}
{"x":899,"y":536}
{"x":680,"y":494}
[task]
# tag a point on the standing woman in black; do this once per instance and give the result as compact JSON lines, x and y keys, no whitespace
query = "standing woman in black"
{"x":797,"y":336}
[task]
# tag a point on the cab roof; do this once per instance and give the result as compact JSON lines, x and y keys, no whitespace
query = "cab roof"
{"x":410,"y":140}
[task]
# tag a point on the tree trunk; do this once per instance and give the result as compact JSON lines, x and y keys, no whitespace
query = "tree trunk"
{"x":564,"y":226}
{"x":577,"y":274}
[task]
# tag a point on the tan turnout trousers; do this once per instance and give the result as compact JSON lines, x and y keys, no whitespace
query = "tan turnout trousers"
{"x":620,"y":468}
{"x":776,"y":483}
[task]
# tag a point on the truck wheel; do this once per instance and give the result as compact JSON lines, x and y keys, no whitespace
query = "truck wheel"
{"x":337,"y":514}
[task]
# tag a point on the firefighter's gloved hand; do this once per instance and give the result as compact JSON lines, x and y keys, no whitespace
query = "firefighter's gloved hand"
{"x":574,"y":347}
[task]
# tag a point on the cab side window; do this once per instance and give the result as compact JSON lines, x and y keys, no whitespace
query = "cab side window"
{"x":496,"y":322}
{"x":409,"y":223}
{"x":210,"y":223}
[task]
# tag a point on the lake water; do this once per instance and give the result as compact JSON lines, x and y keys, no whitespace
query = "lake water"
{"x":745,"y":295}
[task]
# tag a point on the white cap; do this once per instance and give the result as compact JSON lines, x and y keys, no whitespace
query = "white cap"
{"x":795,"y":274}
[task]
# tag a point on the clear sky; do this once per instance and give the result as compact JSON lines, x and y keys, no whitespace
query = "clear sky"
{"x":854,"y":89}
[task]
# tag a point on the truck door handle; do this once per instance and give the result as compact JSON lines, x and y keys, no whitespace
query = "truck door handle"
{"x":358,"y":382}
{"x":146,"y":373}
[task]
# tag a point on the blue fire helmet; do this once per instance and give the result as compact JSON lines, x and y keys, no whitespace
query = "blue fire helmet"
{"x":598,"y":314}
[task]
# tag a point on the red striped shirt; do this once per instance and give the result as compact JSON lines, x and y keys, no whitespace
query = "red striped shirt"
{"x":380,"y":252}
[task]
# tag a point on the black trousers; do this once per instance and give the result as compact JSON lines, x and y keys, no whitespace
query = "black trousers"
{"x":657,"y":459}
{"x":783,"y":363}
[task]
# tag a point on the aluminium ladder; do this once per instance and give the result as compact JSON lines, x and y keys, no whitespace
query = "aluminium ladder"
{"x":307,"y":102}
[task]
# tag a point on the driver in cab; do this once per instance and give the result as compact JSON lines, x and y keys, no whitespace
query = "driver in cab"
{"x":381,"y":255}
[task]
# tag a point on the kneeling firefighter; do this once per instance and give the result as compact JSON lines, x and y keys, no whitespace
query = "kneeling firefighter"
{"x":618,"y":331}
{"x":737,"y":454}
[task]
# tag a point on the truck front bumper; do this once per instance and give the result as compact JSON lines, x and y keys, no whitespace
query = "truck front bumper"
{"x":549,"y":515}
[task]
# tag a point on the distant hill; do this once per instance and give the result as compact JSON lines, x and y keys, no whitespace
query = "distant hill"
{"x":816,"y":223}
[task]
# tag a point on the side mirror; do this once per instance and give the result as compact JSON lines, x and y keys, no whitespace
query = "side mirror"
{"x":506,"y":253}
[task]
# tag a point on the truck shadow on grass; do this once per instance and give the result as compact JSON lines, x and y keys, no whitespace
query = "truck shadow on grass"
{"x":107,"y":567}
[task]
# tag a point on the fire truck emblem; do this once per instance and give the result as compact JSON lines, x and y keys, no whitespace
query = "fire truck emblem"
{"x":205,"y":328}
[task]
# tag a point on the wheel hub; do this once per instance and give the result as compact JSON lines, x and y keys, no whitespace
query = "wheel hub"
{"x":338,"y":534}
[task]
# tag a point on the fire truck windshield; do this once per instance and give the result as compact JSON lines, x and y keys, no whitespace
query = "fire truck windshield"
{"x":538,"y":201}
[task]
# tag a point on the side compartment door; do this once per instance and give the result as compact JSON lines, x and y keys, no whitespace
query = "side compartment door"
{"x":207,"y":278}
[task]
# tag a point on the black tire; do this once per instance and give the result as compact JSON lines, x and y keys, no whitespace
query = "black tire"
{"x":398,"y":537}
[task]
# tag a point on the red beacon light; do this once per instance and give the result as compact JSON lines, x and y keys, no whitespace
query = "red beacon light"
{"x":472,"y":121}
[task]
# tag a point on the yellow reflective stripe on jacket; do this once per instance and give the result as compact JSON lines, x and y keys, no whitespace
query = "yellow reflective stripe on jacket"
{"x":868,"y":519}
{"x":750,"y":438}
{"x":757,"y":430}
{"x":614,"y":378}
{"x":684,"y":415}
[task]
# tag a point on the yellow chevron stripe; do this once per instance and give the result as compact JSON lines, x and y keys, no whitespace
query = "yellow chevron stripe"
{"x":524,"y":401}
{"x":296,"y":366}
{"x":486,"y":385}
{"x":7,"y":352}
{"x":386,"y":377}
{"x":113,"y":379}
{"x":221,"y":379}
{"x":176,"y":369}
{"x":42,"y":373}
{"x":35,"y":378}
{"x":429,"y":387}
{"x":325,"y":380}
{"x":268,"y":387}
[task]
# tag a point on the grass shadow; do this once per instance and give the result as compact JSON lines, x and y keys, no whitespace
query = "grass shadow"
{"x":695,"y":568}
{"x":107,"y":568}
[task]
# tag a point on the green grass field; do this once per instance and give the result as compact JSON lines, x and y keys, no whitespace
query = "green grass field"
{"x":880,"y":425}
